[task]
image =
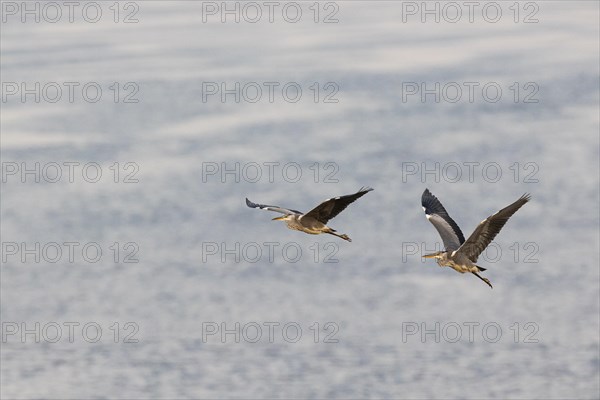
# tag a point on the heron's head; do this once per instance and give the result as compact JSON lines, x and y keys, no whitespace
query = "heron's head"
{"x":282,"y":218}
{"x":437,"y":255}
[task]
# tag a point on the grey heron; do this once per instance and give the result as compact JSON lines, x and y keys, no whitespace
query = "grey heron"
{"x":459,"y":254}
{"x":315,"y":221}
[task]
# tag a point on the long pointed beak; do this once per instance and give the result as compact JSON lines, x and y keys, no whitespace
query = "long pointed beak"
{"x":278,"y":218}
{"x":430,"y":255}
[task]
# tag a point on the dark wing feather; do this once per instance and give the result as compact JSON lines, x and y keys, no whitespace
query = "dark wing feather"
{"x":487,"y":229}
{"x":332,"y":207}
{"x":436,"y":214}
{"x":271,"y":208}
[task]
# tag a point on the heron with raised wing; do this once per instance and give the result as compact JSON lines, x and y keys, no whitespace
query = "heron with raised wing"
{"x":315,"y":221}
{"x":459,"y":254}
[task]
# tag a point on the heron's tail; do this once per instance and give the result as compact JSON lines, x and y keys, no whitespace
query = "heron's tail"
{"x":480,"y":269}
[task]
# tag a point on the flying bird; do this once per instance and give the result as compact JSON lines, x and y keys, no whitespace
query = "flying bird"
{"x":315,"y":221}
{"x":459,"y":254}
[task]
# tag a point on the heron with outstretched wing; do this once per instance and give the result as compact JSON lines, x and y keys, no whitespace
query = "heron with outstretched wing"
{"x":315,"y":221}
{"x":460,"y":254}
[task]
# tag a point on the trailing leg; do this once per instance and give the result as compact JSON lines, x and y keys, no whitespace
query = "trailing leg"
{"x":483,"y":279}
{"x":343,"y":236}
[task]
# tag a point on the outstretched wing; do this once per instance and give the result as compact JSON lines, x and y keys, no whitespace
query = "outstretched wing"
{"x":332,"y":207}
{"x":438,"y":216}
{"x":487,"y":229}
{"x":271,"y":208}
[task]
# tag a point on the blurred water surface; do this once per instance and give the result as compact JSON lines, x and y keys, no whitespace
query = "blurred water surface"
{"x":376,"y":291}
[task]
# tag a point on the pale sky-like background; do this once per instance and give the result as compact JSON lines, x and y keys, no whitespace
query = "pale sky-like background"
{"x":181,"y":221}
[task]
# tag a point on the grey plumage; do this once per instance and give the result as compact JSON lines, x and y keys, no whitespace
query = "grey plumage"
{"x":315,"y":221}
{"x":271,"y":208}
{"x":461,"y":254}
{"x":435,"y":212}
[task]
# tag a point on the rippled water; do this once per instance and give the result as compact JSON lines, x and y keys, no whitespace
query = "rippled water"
{"x":377,"y":321}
